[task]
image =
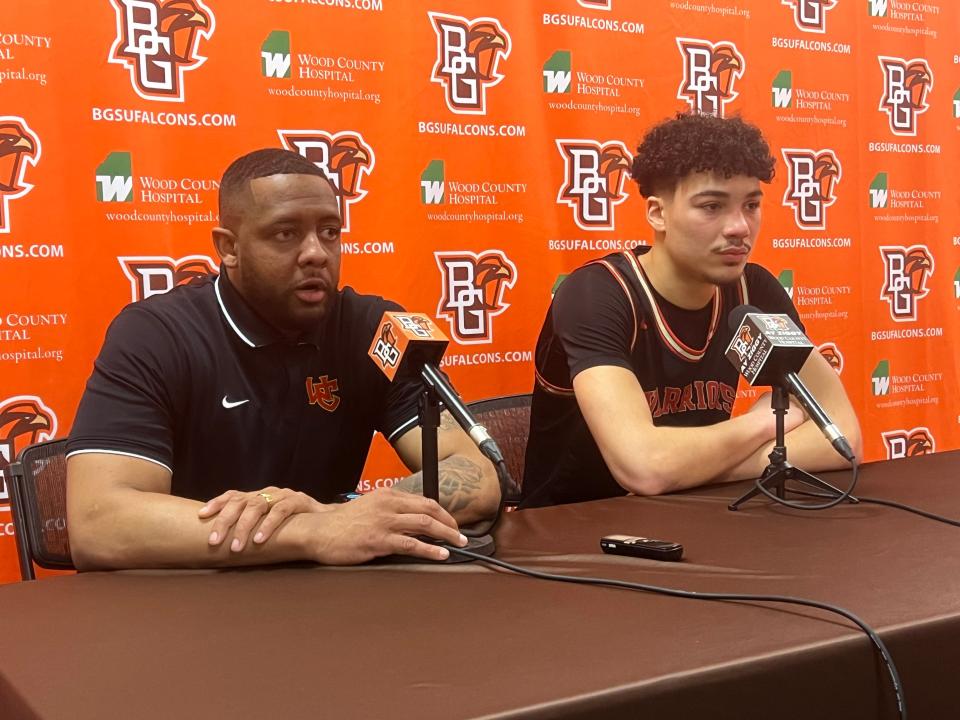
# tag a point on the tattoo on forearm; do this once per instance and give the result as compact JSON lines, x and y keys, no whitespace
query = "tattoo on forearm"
{"x":460,"y":483}
{"x":447,"y":422}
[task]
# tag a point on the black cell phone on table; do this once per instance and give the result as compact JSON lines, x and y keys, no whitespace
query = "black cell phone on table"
{"x":641,"y":547}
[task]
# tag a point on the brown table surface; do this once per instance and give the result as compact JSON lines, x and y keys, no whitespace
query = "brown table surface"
{"x":466,"y":641}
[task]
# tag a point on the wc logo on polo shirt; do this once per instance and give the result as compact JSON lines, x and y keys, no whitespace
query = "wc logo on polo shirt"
{"x":831,"y":353}
{"x":19,"y":147}
{"x":906,"y":84}
{"x":158,"y":41}
{"x":810,"y":15}
{"x":321,"y":392}
{"x":345,"y":158}
{"x":710,"y":72}
{"x":472,"y":292}
{"x":909,"y":443}
{"x":906,"y":271}
{"x":468,"y":53}
{"x":24,"y":420}
{"x":812,"y":177}
{"x":157,"y":274}
{"x":593,"y":179}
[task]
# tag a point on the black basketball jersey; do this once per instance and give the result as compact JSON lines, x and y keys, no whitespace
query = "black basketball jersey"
{"x":608,"y":313}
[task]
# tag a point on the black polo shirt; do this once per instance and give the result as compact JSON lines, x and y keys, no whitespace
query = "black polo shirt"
{"x":194,"y":380}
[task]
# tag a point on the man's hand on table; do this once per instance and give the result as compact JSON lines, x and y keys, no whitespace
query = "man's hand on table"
{"x":378,"y":523}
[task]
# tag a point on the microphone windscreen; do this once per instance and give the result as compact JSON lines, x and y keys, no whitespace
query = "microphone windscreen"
{"x":736,"y":316}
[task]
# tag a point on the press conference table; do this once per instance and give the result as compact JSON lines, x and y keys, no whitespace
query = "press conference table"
{"x":466,"y":641}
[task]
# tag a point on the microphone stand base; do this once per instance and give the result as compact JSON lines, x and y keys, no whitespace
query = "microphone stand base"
{"x":774,"y":479}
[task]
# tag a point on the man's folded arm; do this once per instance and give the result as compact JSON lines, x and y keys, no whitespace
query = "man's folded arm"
{"x":649,"y":460}
{"x":807,"y":448}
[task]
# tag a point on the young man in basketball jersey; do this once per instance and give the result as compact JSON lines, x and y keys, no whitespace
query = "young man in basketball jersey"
{"x":633,"y":391}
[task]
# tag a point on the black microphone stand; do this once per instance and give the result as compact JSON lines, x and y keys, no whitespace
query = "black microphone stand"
{"x":779,"y":471}
{"x":429,"y":424}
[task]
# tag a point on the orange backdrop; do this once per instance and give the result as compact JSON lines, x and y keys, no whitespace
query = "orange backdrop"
{"x":480,"y":151}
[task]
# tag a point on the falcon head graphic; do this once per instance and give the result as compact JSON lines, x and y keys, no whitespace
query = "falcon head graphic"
{"x":387,"y":336}
{"x":919,"y":442}
{"x":21,"y":423}
{"x":917,"y":79}
{"x":16,"y":146}
{"x":180,"y":20}
{"x":485,"y":41}
{"x":917,"y":265}
{"x":725,"y":64}
{"x":826,"y":172}
{"x":832,"y":356}
{"x":614,"y":162}
{"x":348,"y":157}
{"x":492,"y":275}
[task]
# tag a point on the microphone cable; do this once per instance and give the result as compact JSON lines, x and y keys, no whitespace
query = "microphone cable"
{"x":890,"y":503}
{"x":693,"y":595}
{"x":837,"y":499}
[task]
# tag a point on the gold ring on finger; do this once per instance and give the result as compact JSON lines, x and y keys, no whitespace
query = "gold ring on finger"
{"x":266,"y":496}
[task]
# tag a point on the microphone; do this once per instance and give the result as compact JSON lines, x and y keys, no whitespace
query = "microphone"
{"x":412,"y":343}
{"x":769,"y":349}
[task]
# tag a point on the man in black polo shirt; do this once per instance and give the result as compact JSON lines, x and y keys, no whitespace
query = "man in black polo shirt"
{"x":223,"y":418}
{"x":633,"y":392}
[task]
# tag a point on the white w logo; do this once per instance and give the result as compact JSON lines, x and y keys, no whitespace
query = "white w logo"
{"x":557,"y":81}
{"x":276,"y":65}
{"x":432,"y":191}
{"x":782,"y":97}
{"x":115,"y":188}
{"x":878,"y":8}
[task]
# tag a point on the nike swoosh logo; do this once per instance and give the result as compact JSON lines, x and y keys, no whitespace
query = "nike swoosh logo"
{"x":228,"y":404}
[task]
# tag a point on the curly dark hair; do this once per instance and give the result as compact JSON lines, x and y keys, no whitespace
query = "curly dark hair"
{"x":691,"y":143}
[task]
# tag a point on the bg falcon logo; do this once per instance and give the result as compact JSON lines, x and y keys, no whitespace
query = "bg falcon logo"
{"x":156,"y":275}
{"x":906,"y":272}
{"x":468,"y":53}
{"x":593,"y":175}
{"x":386,"y":350}
{"x":831,"y":353}
{"x":906,"y":84}
{"x":472,"y":295}
{"x":908,"y":443}
{"x":812,"y":177}
{"x":596,"y":4}
{"x":24,"y":420}
{"x":158,"y":41}
{"x":710,"y":71}
{"x":19,"y":147}
{"x":344,"y":157}
{"x":810,"y":15}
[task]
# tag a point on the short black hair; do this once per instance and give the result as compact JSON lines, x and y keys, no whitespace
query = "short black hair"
{"x":257,"y":164}
{"x":690,"y":143}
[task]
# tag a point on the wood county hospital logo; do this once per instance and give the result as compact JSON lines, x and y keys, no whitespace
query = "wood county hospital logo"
{"x":158,"y":41}
{"x":710,"y":74}
{"x":812,"y":178}
{"x":906,"y":85}
{"x":19,"y":149}
{"x":593,"y":180}
{"x":24,"y":420}
{"x":810,"y":15}
{"x":472,"y":292}
{"x":345,"y":158}
{"x":468,"y":56}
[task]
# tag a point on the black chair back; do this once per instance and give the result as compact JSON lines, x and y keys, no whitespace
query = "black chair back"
{"x":38,"y":494}
{"x":507,"y":419}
